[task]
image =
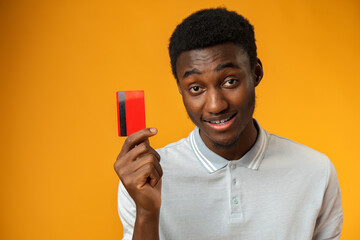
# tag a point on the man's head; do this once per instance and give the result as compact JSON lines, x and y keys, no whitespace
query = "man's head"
{"x":213,"y":56}
{"x":210,"y":27}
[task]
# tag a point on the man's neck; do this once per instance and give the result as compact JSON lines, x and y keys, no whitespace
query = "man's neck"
{"x":243,"y":144}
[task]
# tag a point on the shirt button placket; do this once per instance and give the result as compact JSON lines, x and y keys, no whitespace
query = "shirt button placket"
{"x":235,"y":192}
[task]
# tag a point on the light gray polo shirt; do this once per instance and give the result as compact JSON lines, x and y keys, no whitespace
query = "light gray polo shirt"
{"x":279,"y":190}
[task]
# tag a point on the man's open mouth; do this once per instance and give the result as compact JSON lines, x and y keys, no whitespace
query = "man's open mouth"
{"x":221,"y":121}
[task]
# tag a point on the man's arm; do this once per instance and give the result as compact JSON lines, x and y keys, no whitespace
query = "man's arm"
{"x":330,"y":218}
{"x":140,"y":173}
{"x":146,"y":225}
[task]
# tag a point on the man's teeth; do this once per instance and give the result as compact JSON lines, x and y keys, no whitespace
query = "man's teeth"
{"x":220,"y":121}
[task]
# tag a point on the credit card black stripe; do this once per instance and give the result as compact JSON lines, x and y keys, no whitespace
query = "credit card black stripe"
{"x":121,"y":96}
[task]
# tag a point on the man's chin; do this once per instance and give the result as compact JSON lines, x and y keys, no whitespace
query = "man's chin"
{"x":218,"y":140}
{"x":224,"y":143}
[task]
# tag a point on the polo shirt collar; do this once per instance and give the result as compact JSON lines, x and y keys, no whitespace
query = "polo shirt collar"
{"x":213,"y":162}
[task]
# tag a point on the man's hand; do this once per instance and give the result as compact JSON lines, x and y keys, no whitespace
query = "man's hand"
{"x":140,"y":172}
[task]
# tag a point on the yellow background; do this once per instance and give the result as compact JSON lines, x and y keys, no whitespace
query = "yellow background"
{"x":61,"y":63}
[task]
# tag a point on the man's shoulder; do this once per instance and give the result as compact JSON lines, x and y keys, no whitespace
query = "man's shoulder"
{"x":179,"y":155}
{"x":296,"y":154}
{"x":180,"y":147}
{"x":174,"y":146}
{"x":286,"y":145}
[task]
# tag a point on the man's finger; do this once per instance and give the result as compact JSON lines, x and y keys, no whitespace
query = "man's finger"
{"x":139,"y":150}
{"x":154,"y":152}
{"x":147,"y":159}
{"x":137,"y":138}
{"x":148,"y":172}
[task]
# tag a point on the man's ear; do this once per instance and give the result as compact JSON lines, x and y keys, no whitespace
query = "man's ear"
{"x":179,"y":88}
{"x":258,"y":71}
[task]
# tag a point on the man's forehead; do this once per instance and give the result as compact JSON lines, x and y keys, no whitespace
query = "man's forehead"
{"x":212,"y":56}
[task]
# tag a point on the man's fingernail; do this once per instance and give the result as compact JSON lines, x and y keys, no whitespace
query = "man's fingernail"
{"x":153,"y":130}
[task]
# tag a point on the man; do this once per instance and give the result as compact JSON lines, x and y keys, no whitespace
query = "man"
{"x":229,"y":179}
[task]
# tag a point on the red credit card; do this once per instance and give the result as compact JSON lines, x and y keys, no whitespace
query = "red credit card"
{"x":131,"y":112}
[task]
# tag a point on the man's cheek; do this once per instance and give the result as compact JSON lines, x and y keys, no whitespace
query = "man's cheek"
{"x":191,"y":116}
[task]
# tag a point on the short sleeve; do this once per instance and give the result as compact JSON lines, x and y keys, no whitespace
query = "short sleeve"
{"x":330,"y":218}
{"x":127,"y":211}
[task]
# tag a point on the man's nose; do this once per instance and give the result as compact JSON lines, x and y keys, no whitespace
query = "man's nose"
{"x":215,"y":101}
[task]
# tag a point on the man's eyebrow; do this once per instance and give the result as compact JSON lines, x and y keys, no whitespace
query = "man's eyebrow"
{"x":190,"y":72}
{"x":217,"y":69}
{"x":226,"y":65}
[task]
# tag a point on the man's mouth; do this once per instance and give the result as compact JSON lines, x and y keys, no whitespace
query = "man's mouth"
{"x":220,"y":122}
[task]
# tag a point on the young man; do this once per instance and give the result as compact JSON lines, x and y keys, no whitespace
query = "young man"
{"x":229,"y":179}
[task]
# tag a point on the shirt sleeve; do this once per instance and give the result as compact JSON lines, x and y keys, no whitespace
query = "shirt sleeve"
{"x":330,"y":218}
{"x":127,"y":211}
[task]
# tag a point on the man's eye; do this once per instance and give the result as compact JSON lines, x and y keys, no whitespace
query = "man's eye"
{"x":195,"y":89}
{"x":230,"y":82}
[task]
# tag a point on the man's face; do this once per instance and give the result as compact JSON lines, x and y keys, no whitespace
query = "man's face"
{"x":217,"y":86}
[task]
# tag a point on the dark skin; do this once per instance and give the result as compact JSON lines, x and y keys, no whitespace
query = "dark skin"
{"x":140,"y":172}
{"x":217,"y":85}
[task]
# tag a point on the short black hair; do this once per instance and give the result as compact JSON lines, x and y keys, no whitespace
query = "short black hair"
{"x":210,"y":27}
